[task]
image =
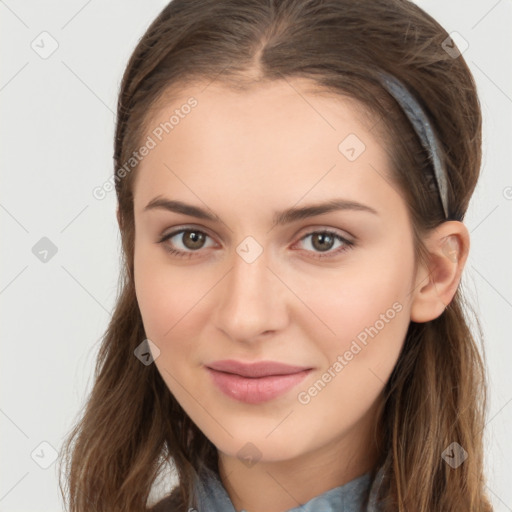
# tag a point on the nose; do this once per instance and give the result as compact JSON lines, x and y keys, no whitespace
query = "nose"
{"x":252,"y":300}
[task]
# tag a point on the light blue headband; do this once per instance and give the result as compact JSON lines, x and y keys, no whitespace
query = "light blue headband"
{"x":422,"y":127}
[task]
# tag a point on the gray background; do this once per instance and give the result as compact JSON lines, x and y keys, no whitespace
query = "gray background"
{"x":56,"y":132}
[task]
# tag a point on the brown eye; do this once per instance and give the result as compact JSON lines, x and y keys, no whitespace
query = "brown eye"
{"x":322,"y":241}
{"x":187,"y":241}
{"x":193,"y":239}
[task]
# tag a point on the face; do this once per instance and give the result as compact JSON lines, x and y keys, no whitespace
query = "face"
{"x":327,"y":296}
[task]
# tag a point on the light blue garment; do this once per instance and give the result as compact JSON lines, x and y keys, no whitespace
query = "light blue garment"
{"x":212,"y":496}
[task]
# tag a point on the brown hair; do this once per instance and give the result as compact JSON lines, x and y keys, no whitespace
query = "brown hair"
{"x":132,"y":426}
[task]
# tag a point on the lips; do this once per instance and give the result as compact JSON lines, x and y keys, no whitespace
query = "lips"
{"x":259,"y":369}
{"x":255,"y":382}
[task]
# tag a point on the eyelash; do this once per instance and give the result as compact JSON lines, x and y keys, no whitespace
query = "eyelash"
{"x":188,"y":254}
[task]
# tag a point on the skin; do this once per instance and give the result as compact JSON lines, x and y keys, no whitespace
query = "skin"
{"x":243,"y":156}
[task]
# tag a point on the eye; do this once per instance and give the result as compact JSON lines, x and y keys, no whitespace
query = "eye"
{"x":324,"y":240}
{"x":191,"y":239}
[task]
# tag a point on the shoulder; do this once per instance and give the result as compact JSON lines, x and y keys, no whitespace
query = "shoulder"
{"x":171,"y":503}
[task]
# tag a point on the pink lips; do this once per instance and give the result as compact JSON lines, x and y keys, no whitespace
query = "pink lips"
{"x":254,"y":383}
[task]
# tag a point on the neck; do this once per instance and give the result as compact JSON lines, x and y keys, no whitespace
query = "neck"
{"x":277,"y":486}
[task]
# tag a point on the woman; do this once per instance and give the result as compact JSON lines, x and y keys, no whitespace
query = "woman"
{"x":292,"y":178}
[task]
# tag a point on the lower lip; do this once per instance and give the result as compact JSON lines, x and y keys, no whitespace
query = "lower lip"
{"x":255,"y":390}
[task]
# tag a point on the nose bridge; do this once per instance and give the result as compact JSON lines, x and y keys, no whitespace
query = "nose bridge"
{"x":252,"y":300}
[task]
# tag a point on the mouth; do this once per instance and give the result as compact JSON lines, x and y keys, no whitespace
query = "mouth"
{"x":255,"y":383}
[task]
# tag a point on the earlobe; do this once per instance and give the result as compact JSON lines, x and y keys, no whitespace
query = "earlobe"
{"x":448,"y":248}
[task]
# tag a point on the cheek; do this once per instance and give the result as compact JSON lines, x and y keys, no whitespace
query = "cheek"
{"x":348,"y":302}
{"x":365,"y":317}
{"x":171,"y":300}
{"x":370,"y":321}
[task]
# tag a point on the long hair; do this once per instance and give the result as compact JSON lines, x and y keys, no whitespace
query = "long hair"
{"x":132,"y":427}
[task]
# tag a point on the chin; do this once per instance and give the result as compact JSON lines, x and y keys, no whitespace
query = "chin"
{"x":256,"y":445}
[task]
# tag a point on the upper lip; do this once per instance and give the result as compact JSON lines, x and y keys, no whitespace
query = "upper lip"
{"x":258,"y":369}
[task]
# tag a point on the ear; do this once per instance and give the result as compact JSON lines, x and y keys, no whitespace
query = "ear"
{"x":448,"y":248}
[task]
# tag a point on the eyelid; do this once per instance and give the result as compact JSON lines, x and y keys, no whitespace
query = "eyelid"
{"x":185,"y":227}
{"x":322,"y":227}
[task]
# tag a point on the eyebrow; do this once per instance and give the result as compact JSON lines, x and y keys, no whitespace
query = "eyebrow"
{"x":279,"y":218}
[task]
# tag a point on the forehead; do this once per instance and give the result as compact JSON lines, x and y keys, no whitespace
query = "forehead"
{"x":275,"y":142}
